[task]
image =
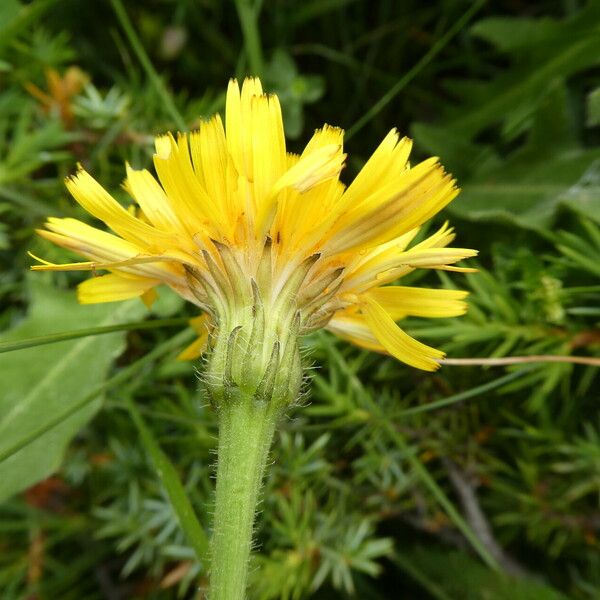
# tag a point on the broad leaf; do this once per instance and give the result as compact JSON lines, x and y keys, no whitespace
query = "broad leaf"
{"x":550,"y":171}
{"x":554,"y":53}
{"x":37,"y":382}
{"x":543,"y":54}
{"x":512,"y":34}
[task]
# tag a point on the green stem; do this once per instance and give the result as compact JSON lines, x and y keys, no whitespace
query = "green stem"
{"x":246,"y":429}
{"x":248,"y":15}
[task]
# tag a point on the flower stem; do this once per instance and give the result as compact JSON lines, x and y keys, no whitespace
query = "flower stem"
{"x":246,"y":430}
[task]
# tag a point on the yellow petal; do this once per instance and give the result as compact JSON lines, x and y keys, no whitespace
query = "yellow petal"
{"x":89,"y":241}
{"x":112,"y":288}
{"x":435,"y":258}
{"x":353,"y":328}
{"x":140,"y":262}
{"x":402,"y":301}
{"x":304,"y":217}
{"x":398,"y":343}
{"x":162,"y":145}
{"x":456,"y":269}
{"x":214,"y":166}
{"x":239,"y":124}
{"x":313,"y":168}
{"x":268,"y":143}
{"x":380,"y":267}
{"x":149,"y":297}
{"x":193,"y":351}
{"x":325,"y":136}
{"x":199,"y":324}
{"x":394,"y":209}
{"x":98,"y":202}
{"x":189,"y":199}
{"x":152,"y":200}
{"x":108,"y":251}
{"x":363,"y":269}
{"x":440,"y":239}
{"x":197,"y":347}
{"x":233,"y":125}
{"x":251,"y":89}
{"x":388,"y":160}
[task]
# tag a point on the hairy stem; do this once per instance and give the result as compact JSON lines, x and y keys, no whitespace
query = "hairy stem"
{"x":246,"y":430}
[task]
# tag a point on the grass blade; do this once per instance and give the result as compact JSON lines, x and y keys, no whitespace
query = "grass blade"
{"x":432,"y":588}
{"x":412,"y":73}
{"x":71,"y":335}
{"x":248,"y":16}
{"x":476,"y":391}
{"x":154,"y":77}
{"x":169,"y":478}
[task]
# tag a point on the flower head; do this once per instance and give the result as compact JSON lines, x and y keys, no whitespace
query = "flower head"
{"x":271,"y":245}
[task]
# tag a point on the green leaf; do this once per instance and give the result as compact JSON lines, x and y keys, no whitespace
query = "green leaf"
{"x":16,"y":17}
{"x":556,"y":51}
{"x":531,"y":200}
{"x":593,"y":108}
{"x":293,"y":89}
{"x":391,"y":430}
{"x":32,"y":146}
{"x":467,"y":394}
{"x":571,"y":47}
{"x":476,"y":581}
{"x":510,"y":34}
{"x":39,"y":381}
{"x":549,"y":172}
{"x":459,"y":155}
{"x":9,"y":11}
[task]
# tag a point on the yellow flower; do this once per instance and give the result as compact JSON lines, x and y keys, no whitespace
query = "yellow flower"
{"x":235,"y":220}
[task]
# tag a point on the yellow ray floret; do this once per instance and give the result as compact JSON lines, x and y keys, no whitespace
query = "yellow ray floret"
{"x":401,"y":301}
{"x":113,"y":287}
{"x":201,"y":326}
{"x":396,"y":341}
{"x":233,"y":219}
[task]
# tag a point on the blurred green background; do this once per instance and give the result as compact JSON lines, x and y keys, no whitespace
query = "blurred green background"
{"x":470,"y":483}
